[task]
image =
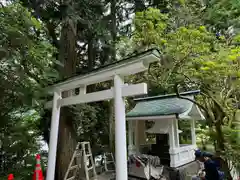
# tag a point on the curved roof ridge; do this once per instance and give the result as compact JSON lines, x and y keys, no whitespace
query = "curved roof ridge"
{"x":187,"y":93}
{"x":163,"y":105}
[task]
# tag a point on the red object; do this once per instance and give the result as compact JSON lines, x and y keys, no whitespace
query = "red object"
{"x":10,"y":177}
{"x":138,"y":164}
{"x":38,"y":174}
{"x":38,"y":156}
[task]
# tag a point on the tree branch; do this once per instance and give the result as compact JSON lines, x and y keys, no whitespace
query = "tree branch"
{"x":51,"y":30}
{"x":206,"y":94}
{"x":219,"y":106}
{"x":178,"y":64}
{"x":150,"y":73}
{"x":193,"y":101}
{"x":1,"y":4}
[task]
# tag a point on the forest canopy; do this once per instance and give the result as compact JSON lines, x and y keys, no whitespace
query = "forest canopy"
{"x":45,"y":41}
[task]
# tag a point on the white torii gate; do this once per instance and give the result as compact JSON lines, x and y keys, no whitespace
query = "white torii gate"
{"x":116,"y":72}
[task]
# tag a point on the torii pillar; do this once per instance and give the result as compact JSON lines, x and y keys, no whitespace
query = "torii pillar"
{"x":120,"y":129}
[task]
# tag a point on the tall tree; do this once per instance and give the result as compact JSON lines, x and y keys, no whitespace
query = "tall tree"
{"x":67,"y":56}
{"x":84,"y":45}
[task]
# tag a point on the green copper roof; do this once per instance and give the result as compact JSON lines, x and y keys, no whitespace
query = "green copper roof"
{"x":162,"y":105}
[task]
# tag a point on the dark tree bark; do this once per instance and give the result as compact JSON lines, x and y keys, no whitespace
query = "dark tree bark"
{"x":111,"y":126}
{"x":113,"y":29}
{"x":91,"y":54}
{"x":139,"y":5}
{"x":221,"y":146}
{"x":91,"y":60}
{"x":66,"y":143}
{"x":67,"y":136}
{"x":113,"y":58}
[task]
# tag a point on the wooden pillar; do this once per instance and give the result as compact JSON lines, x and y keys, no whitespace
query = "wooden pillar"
{"x":176,"y":134}
{"x":172,"y":137}
{"x":141,"y":133}
{"x":193,"y":133}
{"x":173,"y":134}
{"x":130,"y":138}
{"x":136,"y":132}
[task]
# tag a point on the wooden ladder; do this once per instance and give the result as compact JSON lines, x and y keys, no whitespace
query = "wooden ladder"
{"x":83,"y":149}
{"x":74,"y":164}
{"x":108,"y":159}
{"x":88,"y":159}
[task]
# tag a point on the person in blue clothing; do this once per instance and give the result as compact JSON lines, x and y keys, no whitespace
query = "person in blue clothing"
{"x":211,"y":167}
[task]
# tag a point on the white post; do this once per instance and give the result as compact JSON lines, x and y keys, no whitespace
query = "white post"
{"x":193,"y":133}
{"x":82,"y":89}
{"x":176,"y":134}
{"x":172,"y":143}
{"x":172,"y":140}
{"x":130,"y":138}
{"x":120,"y":130}
{"x":53,"y":137}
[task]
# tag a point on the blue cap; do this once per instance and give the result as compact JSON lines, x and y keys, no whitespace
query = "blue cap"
{"x":198,"y":153}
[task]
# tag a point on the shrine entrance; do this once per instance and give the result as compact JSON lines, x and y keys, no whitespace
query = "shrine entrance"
{"x":116,"y":72}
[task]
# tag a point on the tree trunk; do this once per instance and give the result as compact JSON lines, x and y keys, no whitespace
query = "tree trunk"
{"x":67,"y":136}
{"x":221,"y":147}
{"x":220,"y":138}
{"x":139,"y":5}
{"x":111,"y":125}
{"x":91,"y":60}
{"x":66,"y":144}
{"x":113,"y":58}
{"x":113,"y":29}
{"x":91,"y":54}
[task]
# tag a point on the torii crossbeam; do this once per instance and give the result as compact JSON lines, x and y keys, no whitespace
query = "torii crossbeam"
{"x":116,"y":72}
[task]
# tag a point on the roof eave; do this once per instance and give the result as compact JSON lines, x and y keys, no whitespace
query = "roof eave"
{"x":188,"y":93}
{"x":193,"y":114}
{"x":150,"y":117}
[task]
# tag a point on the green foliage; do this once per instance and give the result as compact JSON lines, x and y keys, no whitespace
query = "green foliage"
{"x":188,"y":51}
{"x":150,"y":27}
{"x":26,"y":65}
{"x":192,"y":57}
{"x":185,"y":135}
{"x":91,"y":118}
{"x":222,"y":14}
{"x":19,"y":144}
